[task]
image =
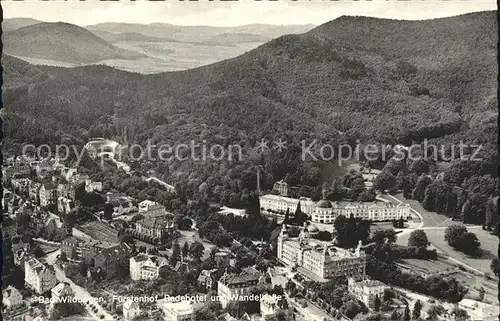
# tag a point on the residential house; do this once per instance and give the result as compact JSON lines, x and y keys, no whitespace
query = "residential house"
{"x":13,"y":307}
{"x":62,"y":290}
{"x":206,"y":278}
{"x":131,"y":310}
{"x":21,"y":185}
{"x":67,"y":173}
{"x":95,"y":275}
{"x":113,"y":259}
{"x":48,"y":194}
{"x":65,"y":205}
{"x":91,"y":187}
{"x":66,"y":191}
{"x":78,"y":179}
{"x":38,"y":276}
{"x":269,"y":306}
{"x":43,"y":170}
{"x":83,"y":249}
{"x":146,"y":267}
{"x":34,"y":191}
{"x":12,"y":298}
{"x":231,"y":286}
{"x":367,"y":290}
{"x":15,"y":171}
{"x":113,"y":197}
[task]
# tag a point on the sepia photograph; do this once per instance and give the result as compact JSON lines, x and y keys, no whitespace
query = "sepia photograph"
{"x":250,"y":160}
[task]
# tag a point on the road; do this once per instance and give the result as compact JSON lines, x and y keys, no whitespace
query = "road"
{"x":80,"y":292}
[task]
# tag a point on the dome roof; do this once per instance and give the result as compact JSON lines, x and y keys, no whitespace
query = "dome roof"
{"x":312,"y":229}
{"x":324,"y":204}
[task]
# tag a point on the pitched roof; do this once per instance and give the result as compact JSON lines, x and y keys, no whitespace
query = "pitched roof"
{"x":240,"y":278}
{"x":157,"y":221}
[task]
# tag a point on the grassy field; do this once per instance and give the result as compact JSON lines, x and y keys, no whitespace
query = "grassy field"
{"x":489,"y":245}
{"x":429,"y":218}
{"x":100,"y":231}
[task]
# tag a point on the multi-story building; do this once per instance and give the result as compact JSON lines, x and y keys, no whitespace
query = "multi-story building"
{"x":268,"y":306}
{"x":113,"y":259}
{"x":34,"y":191}
{"x":319,"y":260}
{"x":48,"y":194}
{"x":43,"y":169}
{"x":13,"y":307}
{"x":64,"y":205}
{"x":91,"y":187}
{"x":232,"y":286}
{"x":38,"y":276}
{"x":281,"y":187}
{"x":325,"y":211}
{"x":66,"y":191}
{"x":11,"y":297}
{"x":367,"y":290}
{"x":77,"y":179}
{"x":83,"y":250}
{"x":281,"y":204}
{"x":206,"y":278}
{"x":15,"y":171}
{"x":146,"y":267}
{"x":61,"y":290}
{"x":158,"y":226}
{"x":131,"y":310}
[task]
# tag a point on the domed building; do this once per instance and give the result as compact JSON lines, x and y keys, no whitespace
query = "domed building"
{"x":324,"y":212}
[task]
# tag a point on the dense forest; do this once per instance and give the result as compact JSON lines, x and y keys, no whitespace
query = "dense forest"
{"x":354,"y":78}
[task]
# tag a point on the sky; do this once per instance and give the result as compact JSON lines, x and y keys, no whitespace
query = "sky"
{"x":223,"y":13}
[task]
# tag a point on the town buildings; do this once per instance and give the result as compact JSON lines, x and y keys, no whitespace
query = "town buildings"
{"x":38,"y":276}
{"x":82,"y":249}
{"x":113,"y":259}
{"x":66,"y":191}
{"x":269,"y":306}
{"x":91,"y":187}
{"x":13,"y":307}
{"x":61,"y":290}
{"x":64,"y":205}
{"x":367,"y":290}
{"x":11,"y":297}
{"x":317,"y":259}
{"x":231,"y":286}
{"x":131,"y":310}
{"x":48,"y":194}
{"x":206,"y":278}
{"x":146,"y":267}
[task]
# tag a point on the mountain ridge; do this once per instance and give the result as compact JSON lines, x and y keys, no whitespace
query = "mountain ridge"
{"x":61,"y":41}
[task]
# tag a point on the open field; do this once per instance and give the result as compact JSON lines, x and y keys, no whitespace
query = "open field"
{"x":99,"y":231}
{"x":489,"y":245}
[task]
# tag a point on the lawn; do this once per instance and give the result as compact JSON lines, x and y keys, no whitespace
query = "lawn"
{"x":489,"y":245}
{"x":430,"y":218}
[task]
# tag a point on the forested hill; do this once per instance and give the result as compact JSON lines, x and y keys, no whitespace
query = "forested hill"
{"x":352,"y":78}
{"x":61,"y":41}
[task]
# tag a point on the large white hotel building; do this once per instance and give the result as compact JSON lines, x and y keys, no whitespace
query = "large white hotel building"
{"x":325,"y":211}
{"x":319,"y":260}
